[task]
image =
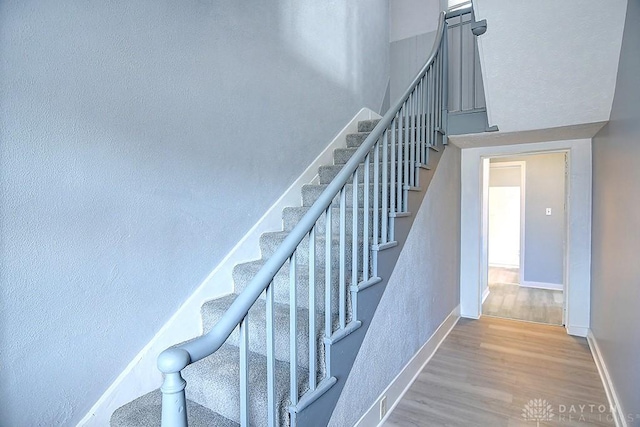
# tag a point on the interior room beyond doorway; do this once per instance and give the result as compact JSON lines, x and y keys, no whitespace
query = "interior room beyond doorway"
{"x":525,"y":202}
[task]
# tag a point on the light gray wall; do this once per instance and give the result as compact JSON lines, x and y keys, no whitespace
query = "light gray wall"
{"x":543,"y":235}
{"x":139,"y":142}
{"x":407,"y":58}
{"x":408,"y":18}
{"x":615,"y":270}
{"x":422,"y":291}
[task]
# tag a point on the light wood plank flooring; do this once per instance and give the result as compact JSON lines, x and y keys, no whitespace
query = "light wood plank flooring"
{"x":491,"y":372}
{"x":508,"y":299}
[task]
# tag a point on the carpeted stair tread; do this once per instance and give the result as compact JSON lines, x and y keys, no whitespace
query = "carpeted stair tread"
{"x":328,"y":172}
{"x":367,"y":125}
{"x":146,"y":411}
{"x":356,"y":139}
{"x":311,"y":193}
{"x":342,"y":155}
{"x":245,"y":272}
{"x":271,"y":241}
{"x":213,"y":382}
{"x":212,"y":312}
{"x":292,"y":215}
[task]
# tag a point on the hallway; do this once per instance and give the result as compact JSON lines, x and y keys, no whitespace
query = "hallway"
{"x":499,"y":372}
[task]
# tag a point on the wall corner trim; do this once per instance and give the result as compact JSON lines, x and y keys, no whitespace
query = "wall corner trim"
{"x":401,"y":383}
{"x":612,"y":396}
{"x":141,"y":375}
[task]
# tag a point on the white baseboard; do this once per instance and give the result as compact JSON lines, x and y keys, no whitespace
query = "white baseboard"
{"x":141,"y":375}
{"x":542,"y":285}
{"x":577,"y":331}
{"x":485,"y":294}
{"x":409,"y":373}
{"x":612,"y":396}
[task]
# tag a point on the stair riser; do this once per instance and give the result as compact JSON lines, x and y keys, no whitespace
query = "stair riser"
{"x":269,"y":245}
{"x":367,"y":125}
{"x":355,"y":140}
{"x":327,"y":173}
{"x":291,"y":217}
{"x":310,"y":194}
{"x":214,"y":383}
{"x":342,"y":155}
{"x":212,"y":313}
{"x":281,"y":291}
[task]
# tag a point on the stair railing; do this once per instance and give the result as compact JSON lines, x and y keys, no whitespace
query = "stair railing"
{"x":465,"y":78}
{"x":388,"y":161}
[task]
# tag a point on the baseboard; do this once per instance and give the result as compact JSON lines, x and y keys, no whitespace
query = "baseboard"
{"x":485,"y":294}
{"x":577,"y":331}
{"x":141,"y":375}
{"x":409,"y":373}
{"x":542,"y":285}
{"x":612,"y":396}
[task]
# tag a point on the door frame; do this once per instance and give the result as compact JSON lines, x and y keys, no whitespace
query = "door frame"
{"x":578,"y":227}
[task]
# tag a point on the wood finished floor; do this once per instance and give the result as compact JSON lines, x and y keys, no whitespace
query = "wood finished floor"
{"x":509,"y":300}
{"x":487,"y":370}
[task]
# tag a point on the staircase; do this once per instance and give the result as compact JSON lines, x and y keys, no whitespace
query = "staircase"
{"x":278,"y":351}
{"x":213,"y":392}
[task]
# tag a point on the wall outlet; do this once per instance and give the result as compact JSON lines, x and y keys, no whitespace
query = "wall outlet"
{"x":383,"y":407}
{"x":548,"y":211}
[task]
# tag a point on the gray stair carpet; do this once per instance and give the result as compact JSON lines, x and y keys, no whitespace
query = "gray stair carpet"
{"x":213,"y":383}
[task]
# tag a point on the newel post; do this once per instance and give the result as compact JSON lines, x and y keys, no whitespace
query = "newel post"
{"x":174,"y":402}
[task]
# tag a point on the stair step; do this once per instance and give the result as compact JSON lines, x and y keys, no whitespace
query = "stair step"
{"x":342,"y":155}
{"x":214,"y":382}
{"x":146,"y":411}
{"x":245,"y":272}
{"x":311,"y":192}
{"x":328,"y":172}
{"x":367,"y":125}
{"x":270,"y":241}
{"x":212,"y":312}
{"x":355,"y":140}
{"x":292,"y":215}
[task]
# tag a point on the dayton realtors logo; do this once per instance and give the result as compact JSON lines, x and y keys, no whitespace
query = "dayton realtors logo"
{"x":538,"y":410}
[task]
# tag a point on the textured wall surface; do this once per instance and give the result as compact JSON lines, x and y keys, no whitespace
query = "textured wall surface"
{"x":422,"y":291}
{"x":407,"y":58}
{"x":615,"y":271}
{"x":547,"y":63}
{"x":544,"y":235}
{"x":139,"y":142}
{"x":408,"y":18}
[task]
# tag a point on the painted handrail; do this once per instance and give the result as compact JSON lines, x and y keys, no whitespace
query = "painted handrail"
{"x":415,"y":105}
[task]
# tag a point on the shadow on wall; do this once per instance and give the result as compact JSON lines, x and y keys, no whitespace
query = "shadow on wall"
{"x":139,"y":143}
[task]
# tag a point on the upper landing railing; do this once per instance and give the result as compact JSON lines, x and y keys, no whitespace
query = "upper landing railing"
{"x":466,"y":92}
{"x":340,"y":251}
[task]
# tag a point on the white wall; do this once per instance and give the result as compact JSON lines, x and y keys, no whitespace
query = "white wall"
{"x":577,"y":276}
{"x":549,"y":63}
{"x":140,"y":142}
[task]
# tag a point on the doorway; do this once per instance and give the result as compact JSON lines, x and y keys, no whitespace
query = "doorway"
{"x":524,"y":206}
